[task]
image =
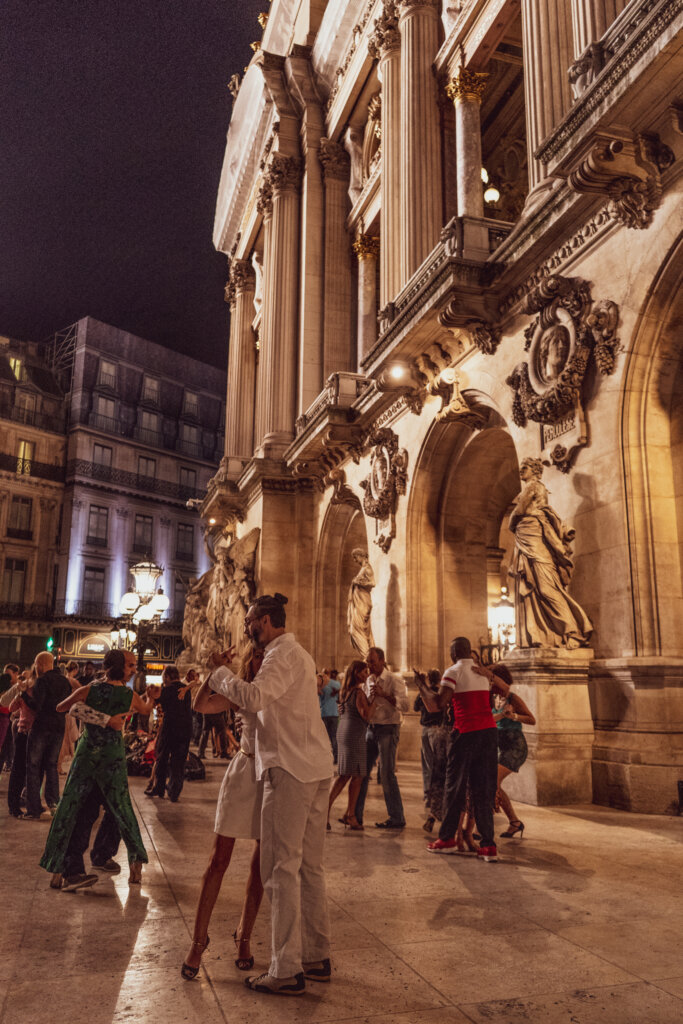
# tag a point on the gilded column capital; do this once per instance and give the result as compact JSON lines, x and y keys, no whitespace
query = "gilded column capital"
{"x":264,"y":200}
{"x":334,"y":159}
{"x":366,"y":247}
{"x":283,"y":174}
{"x":467,"y":85}
{"x":242,"y":276}
{"x":386,"y":36}
{"x":408,"y":6}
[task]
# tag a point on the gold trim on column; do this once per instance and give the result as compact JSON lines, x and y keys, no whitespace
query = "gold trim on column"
{"x":467,"y":85}
{"x":366,"y":247}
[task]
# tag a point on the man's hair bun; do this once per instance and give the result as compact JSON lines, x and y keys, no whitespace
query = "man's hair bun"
{"x":280,"y":598}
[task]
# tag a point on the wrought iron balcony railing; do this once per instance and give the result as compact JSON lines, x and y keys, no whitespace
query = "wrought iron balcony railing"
{"x":150,"y":485}
{"x":30,"y":467}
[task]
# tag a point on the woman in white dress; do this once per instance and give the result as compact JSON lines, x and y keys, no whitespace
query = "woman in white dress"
{"x":238,"y":816}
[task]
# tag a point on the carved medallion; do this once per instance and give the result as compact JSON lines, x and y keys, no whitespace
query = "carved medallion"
{"x":568,"y":329}
{"x":386,"y":482}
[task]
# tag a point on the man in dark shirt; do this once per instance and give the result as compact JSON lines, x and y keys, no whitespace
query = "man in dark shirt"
{"x":46,"y":735}
{"x":173,"y":741}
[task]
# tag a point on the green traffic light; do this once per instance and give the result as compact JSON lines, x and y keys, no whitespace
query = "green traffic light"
{"x":50,"y":643}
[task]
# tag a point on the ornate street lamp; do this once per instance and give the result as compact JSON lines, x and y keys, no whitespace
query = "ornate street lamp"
{"x":502,"y":622}
{"x":141,"y":609}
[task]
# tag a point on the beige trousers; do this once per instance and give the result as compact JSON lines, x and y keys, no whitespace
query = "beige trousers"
{"x":293,"y":819}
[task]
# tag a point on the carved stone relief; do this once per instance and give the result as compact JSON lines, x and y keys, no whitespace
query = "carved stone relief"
{"x":386,"y":482}
{"x":560,"y":340}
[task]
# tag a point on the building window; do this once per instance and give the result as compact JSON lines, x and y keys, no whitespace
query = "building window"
{"x":185,"y":542}
{"x":98,"y":521}
{"x":18,"y":369}
{"x":93,"y":590}
{"x":26,"y":451}
{"x":191,"y":404}
{"x":101,"y":455}
{"x":13,"y":581}
{"x":25,"y":407}
{"x":147,"y":467}
{"x":188,"y":479}
{"x":19,"y":525}
{"x":106,"y":407}
{"x":107,"y":374}
{"x":142,"y":539}
{"x":178,"y":599}
{"x":149,"y":421}
{"x":150,"y":389}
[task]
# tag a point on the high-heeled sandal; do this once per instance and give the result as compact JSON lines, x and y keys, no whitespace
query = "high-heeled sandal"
{"x":353,"y":823}
{"x":343,"y":820}
{"x":512,"y":831}
{"x":188,"y":972}
{"x":242,"y":963}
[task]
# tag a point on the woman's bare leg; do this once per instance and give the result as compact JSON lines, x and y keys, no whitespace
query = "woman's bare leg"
{"x":354,"y":790}
{"x":252,"y":902}
{"x":337,"y":787}
{"x":503,"y":799}
{"x":211,"y":886}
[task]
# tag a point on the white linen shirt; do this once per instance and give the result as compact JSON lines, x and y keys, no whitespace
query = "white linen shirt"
{"x":290,"y":733}
{"x":384,"y":713}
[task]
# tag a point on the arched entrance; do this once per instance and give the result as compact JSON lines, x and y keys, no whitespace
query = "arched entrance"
{"x":463,"y":486}
{"x":343,"y":530}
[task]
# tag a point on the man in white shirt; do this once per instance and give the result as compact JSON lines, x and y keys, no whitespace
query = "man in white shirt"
{"x":391,"y":696}
{"x":294,"y":759}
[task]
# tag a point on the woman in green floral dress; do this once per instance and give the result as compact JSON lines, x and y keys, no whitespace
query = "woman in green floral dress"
{"x":100,"y":761}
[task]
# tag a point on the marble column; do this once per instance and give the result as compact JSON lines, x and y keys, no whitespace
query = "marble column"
{"x":366,"y":248}
{"x":264,"y":205}
{"x":466,"y":91}
{"x":239,"y":405}
{"x":338,"y":346}
{"x":385,"y":44}
{"x":421,"y":189}
{"x":591,"y":19}
{"x":280,"y":301}
{"x":547,"y":45}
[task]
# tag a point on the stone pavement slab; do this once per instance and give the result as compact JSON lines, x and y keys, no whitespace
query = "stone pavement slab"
{"x":578,"y":923}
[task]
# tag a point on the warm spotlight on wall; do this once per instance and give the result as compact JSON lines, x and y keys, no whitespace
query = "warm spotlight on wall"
{"x":397,"y":372}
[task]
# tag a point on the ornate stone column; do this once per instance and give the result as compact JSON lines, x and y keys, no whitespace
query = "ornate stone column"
{"x":239,"y":405}
{"x":547,"y":43}
{"x":466,"y":90}
{"x":338,"y":347}
{"x":385,"y":44}
{"x":366,"y":248}
{"x":279,"y":342}
{"x":421,"y":190}
{"x":264,"y":205}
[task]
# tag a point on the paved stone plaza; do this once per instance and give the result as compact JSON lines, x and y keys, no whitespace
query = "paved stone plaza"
{"x":579,"y":923}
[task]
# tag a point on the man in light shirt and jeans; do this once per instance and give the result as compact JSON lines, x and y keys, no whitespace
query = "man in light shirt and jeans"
{"x":294,"y":759}
{"x":382,"y":737}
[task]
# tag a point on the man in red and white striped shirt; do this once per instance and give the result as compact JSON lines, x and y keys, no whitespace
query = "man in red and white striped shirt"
{"x":472,"y":748}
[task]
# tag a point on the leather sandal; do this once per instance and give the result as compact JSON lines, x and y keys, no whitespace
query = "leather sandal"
{"x":188,"y":972}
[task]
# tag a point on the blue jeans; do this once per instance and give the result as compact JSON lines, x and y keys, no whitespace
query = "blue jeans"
{"x":42,"y":755}
{"x":382,"y":742}
{"x":331,"y":724}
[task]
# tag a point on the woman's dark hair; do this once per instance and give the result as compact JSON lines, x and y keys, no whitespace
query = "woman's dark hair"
{"x":170,"y":675}
{"x":115,"y":664}
{"x":351,"y":680}
{"x":272,"y":605}
{"x":502,"y":672}
{"x":71,"y":666}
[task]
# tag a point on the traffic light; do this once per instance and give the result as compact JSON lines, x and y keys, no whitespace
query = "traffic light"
{"x":50,"y":644}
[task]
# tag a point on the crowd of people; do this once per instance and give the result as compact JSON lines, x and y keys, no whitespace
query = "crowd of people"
{"x":289,"y":726}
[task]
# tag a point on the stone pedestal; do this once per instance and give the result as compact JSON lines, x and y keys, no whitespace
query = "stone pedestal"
{"x":553,"y":683}
{"x":638,"y":711}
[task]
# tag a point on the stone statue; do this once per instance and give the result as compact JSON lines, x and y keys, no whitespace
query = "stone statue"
{"x":360,"y":604}
{"x":541,"y":568}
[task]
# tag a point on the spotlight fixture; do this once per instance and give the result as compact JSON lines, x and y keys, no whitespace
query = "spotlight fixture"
{"x":212,"y":521}
{"x":397,"y":372}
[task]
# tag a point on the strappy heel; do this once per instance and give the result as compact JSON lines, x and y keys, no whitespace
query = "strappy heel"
{"x":242,"y":963}
{"x":188,"y":972}
{"x":353,"y":823}
{"x":513,"y":828}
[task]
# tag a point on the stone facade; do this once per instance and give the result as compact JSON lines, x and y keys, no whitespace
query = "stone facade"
{"x":492,"y":275}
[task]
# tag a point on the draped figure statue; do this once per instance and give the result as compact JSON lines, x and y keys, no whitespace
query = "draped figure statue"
{"x":541,"y":567}
{"x":360,"y":604}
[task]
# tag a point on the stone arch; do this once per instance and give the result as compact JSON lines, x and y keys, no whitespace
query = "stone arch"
{"x":463,"y":485}
{"x":343,"y":530}
{"x":652,"y":463}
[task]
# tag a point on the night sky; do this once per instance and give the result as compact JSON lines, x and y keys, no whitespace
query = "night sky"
{"x":114,"y":115}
